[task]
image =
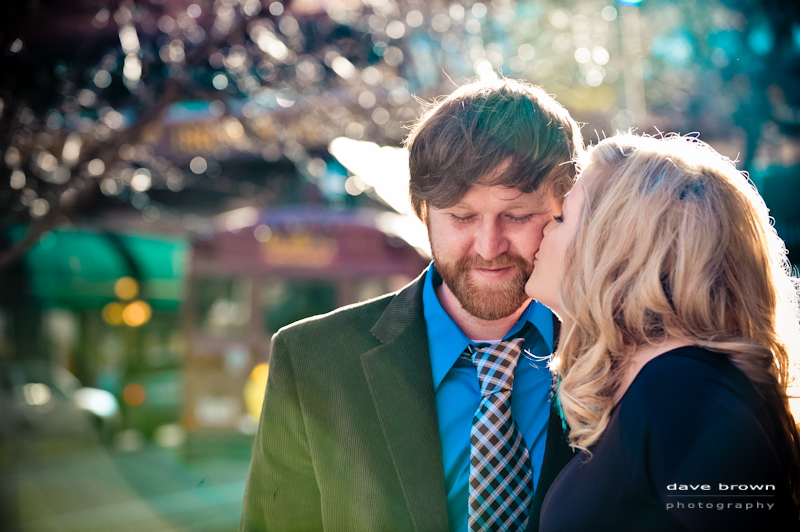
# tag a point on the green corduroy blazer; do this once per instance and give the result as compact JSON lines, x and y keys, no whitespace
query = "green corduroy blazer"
{"x":348,"y":438}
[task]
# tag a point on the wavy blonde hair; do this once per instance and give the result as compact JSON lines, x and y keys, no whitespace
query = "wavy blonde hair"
{"x":673,"y":242}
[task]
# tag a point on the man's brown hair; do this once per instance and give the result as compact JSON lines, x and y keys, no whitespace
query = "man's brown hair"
{"x":473,"y":131}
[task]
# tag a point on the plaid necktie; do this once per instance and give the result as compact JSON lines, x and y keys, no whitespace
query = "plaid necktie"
{"x":500,"y":475}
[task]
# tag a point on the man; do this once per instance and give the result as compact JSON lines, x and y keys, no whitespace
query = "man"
{"x":373,"y":414}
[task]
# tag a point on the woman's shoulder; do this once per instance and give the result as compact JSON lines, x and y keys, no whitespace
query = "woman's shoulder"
{"x":692,"y":401}
{"x":692,"y":418}
{"x":687,"y":395}
{"x":688,"y":376}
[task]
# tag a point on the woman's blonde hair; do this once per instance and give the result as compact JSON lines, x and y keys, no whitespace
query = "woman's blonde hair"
{"x":673,"y":242}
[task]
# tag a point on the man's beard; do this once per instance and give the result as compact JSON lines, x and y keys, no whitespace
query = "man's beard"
{"x":487,"y":301}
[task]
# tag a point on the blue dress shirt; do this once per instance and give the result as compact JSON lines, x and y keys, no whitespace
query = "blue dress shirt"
{"x":457,"y":392}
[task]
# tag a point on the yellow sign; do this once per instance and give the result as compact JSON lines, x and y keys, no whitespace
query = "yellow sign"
{"x":193,"y":139}
{"x":205,"y":136}
{"x":304,"y":250}
{"x":254,"y":389}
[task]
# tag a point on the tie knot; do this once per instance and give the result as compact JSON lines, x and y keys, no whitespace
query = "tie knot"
{"x":495,"y":364}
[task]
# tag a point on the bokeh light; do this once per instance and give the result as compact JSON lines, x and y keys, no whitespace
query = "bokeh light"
{"x":134,"y":394}
{"x":37,"y":393}
{"x":126,"y":288}
{"x":136,"y":313}
{"x":112,"y":313}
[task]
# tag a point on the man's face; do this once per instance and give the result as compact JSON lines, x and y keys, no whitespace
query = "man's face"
{"x":483,"y":246}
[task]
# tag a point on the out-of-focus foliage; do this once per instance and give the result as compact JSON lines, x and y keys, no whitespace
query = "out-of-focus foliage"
{"x":141,"y":102}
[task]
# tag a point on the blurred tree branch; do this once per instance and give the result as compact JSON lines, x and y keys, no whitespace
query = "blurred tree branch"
{"x":108,"y":152}
{"x":287,"y":82}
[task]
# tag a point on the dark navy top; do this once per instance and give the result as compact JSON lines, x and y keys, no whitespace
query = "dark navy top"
{"x":689,"y":447}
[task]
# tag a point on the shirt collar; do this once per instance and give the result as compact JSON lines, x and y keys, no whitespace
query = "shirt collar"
{"x":446,"y":341}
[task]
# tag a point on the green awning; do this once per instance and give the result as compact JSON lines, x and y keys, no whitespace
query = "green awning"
{"x":78,"y":269}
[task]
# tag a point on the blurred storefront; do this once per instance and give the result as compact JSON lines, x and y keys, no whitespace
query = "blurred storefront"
{"x":257,"y":273}
{"x":179,"y":331}
{"x":106,"y":307}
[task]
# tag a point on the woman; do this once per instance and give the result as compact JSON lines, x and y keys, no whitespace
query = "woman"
{"x":673,"y":361}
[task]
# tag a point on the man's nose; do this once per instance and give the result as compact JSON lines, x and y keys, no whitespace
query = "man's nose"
{"x":490,"y":240}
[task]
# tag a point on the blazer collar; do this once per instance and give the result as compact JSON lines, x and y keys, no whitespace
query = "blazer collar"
{"x":401,"y":385}
{"x":404,"y":310}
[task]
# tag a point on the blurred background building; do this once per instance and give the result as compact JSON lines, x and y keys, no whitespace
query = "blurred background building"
{"x":181,"y":178}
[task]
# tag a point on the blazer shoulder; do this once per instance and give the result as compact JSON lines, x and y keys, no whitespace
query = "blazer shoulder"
{"x":361,"y":314}
{"x":394,"y":307}
{"x":323,"y":345}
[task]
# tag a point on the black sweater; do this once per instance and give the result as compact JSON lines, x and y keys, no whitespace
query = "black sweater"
{"x":690,"y":447}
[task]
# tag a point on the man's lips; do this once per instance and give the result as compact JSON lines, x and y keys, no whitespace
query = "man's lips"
{"x":494,"y":272}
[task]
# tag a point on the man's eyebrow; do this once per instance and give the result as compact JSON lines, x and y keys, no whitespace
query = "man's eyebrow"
{"x":541,"y":205}
{"x":521,"y":205}
{"x":538,"y":206}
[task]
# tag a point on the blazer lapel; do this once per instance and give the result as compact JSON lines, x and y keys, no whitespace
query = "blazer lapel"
{"x":401,"y":385}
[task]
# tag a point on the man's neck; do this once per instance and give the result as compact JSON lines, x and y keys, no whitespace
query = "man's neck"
{"x":476,"y":328}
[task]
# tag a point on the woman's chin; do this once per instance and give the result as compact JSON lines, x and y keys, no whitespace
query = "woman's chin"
{"x":539,"y":296}
{"x":532,"y":289}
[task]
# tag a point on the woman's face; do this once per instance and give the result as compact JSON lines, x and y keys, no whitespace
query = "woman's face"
{"x":549,"y":260}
